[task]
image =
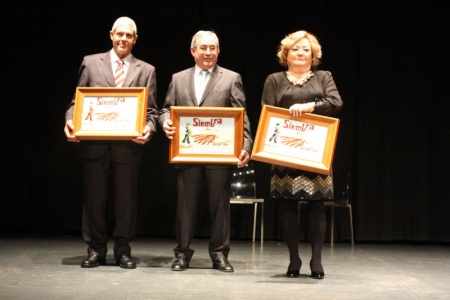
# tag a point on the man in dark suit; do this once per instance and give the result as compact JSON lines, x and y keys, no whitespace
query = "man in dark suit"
{"x":109,"y":162}
{"x":224,"y":88}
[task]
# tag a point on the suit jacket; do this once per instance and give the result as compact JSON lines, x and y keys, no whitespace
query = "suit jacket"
{"x":96,"y":71}
{"x":224,"y":89}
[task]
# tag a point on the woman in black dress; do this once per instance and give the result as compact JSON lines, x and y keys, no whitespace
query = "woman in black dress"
{"x":302,"y":89}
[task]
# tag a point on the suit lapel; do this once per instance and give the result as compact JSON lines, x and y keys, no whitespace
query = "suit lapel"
{"x":133,"y":70}
{"x":213,"y":79}
{"x":191,"y":85}
{"x":105,"y":66}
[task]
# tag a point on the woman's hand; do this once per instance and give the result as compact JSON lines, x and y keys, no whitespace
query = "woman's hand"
{"x":296,"y":110}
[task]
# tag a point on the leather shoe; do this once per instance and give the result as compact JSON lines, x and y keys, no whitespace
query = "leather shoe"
{"x":126,"y":262}
{"x":318,"y":275}
{"x":180,"y":264}
{"x":92,"y":261}
{"x":223,"y":265}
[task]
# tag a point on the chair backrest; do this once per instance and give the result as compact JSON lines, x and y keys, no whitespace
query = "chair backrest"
{"x":243,"y":182}
{"x":342,"y":196}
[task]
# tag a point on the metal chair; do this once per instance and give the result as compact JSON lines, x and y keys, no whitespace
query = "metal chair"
{"x":243,"y":191}
{"x":343,"y":200}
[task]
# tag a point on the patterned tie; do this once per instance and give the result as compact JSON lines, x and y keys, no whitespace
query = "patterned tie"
{"x":119,"y":74}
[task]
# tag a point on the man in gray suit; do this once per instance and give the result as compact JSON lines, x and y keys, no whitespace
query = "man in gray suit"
{"x":109,"y":162}
{"x":224,"y":88}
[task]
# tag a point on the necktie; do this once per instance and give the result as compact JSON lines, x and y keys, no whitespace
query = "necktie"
{"x":202,"y":84}
{"x":119,"y":74}
{"x":204,"y":74}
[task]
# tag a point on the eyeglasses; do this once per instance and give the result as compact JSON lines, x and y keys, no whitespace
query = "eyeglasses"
{"x":204,"y":48}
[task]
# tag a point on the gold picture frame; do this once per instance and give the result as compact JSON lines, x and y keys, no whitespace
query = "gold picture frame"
{"x":206,"y":135}
{"x":307,"y":142}
{"x":105,"y":113}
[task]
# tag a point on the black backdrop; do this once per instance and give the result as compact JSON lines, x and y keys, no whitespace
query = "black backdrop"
{"x":388,"y":61}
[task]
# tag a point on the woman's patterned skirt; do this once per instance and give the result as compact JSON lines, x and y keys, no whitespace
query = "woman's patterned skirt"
{"x":289,"y":183}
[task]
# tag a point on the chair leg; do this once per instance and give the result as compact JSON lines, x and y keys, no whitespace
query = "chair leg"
{"x":299,"y":211}
{"x":255,"y":214}
{"x":262,"y":224}
{"x":332,"y":225}
{"x":351,"y":224}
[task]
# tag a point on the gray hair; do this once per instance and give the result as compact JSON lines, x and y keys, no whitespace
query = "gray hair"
{"x":204,"y":33}
{"x":125,"y":21}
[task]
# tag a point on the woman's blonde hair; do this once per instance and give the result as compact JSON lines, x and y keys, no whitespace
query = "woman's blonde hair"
{"x":292,"y":39}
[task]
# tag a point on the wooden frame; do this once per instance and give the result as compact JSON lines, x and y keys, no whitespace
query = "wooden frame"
{"x":307,"y":142}
{"x":206,"y":134}
{"x":104,"y":113}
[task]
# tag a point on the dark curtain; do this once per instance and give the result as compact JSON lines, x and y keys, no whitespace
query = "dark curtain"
{"x":389,"y":63}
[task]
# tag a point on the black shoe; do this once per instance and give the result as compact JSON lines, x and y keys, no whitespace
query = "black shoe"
{"x":92,"y":261}
{"x":180,"y":264}
{"x":126,"y":262}
{"x":223,"y":265}
{"x":294,"y":269}
{"x":292,"y":273}
{"x":318,"y":275}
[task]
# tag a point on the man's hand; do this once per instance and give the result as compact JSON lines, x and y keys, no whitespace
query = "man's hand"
{"x":145,"y":136}
{"x":243,"y":159}
{"x":169,"y":129}
{"x":68,"y":130}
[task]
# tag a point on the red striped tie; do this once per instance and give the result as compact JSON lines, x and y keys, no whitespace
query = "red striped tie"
{"x":119,"y":74}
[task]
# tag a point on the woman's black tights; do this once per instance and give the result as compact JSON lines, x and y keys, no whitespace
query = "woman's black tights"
{"x":316,"y":231}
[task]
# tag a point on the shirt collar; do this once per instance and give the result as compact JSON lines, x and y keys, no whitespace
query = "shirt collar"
{"x":115,"y":58}
{"x":198,"y":70}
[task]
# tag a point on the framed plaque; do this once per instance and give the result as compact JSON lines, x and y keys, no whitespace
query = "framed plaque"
{"x":104,"y":113}
{"x":206,"y":135}
{"x":307,"y":142}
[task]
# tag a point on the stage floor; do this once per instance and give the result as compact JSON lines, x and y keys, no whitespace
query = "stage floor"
{"x":48,"y":267}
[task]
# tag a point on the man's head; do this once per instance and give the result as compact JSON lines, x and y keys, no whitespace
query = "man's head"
{"x":205,"y":49}
{"x":123,"y":36}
